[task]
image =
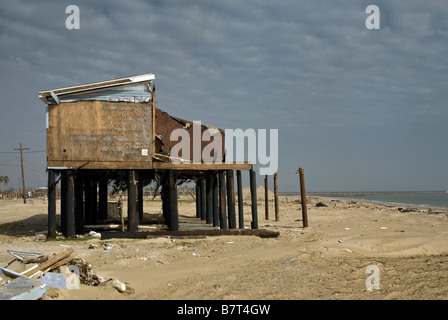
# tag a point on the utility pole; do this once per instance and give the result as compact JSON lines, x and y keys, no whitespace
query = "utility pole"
{"x":23,"y":175}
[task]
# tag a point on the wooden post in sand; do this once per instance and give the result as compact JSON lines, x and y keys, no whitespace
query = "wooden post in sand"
{"x":253,"y":196}
{"x":67,"y":204}
{"x":222,"y":201}
{"x":266,"y":198}
{"x":303,"y":196}
{"x":231,"y":199}
{"x":209,"y":199}
{"x":139,"y":199}
{"x":203,"y":199}
{"x":173,"y":210}
{"x":240,"y":200}
{"x":102,"y":199}
{"x":277,"y":216}
{"x":198,"y":199}
{"x":132,"y":201}
{"x":215,"y":188}
{"x":79,"y":203}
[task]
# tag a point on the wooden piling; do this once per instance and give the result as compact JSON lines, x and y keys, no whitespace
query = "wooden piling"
{"x":198,"y":199}
{"x":164,"y":194}
{"x":240,"y":200}
{"x":51,"y":204}
{"x":222,"y":201}
{"x":303,"y":197}
{"x":68,"y":204}
{"x":215,"y":186}
{"x":102,"y":199}
{"x":79,"y":203}
{"x":209,"y":199}
{"x":277,"y":213}
{"x":140,"y":199}
{"x":253,"y":193}
{"x":266,"y":198}
{"x":87,"y":202}
{"x":173,"y":210}
{"x":90,"y":197}
{"x":132,"y":201}
{"x":231,"y":199}
{"x":203,"y":199}
{"x":63,"y":204}
{"x":94,"y":200}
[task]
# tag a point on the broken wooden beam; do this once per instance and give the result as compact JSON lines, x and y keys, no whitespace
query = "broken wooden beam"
{"x":50,"y":263}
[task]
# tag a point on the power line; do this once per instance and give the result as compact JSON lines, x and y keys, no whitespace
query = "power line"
{"x":6,"y":152}
{"x":9,"y":160}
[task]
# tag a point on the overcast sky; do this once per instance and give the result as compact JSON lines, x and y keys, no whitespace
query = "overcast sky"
{"x":358,"y":109}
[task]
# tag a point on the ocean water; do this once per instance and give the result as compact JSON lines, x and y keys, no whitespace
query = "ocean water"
{"x":412,"y":199}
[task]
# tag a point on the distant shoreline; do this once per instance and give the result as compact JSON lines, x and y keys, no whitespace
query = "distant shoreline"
{"x":391,"y":198}
{"x":358,"y":193}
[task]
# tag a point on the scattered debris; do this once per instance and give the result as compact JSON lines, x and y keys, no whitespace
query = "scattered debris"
{"x":14,"y":286}
{"x":40,"y":236}
{"x":59,"y":271}
{"x":290,"y":261}
{"x":57,"y":260}
{"x":120,"y":286}
{"x":54,"y":280}
{"x":321,"y":204}
{"x":27,"y":256}
{"x":86,"y":274}
{"x":94,"y":234}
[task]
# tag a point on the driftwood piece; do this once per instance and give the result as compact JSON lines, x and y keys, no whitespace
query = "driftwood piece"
{"x":262,"y":233}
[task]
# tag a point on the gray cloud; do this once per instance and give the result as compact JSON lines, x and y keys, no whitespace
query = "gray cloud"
{"x":357,"y":108}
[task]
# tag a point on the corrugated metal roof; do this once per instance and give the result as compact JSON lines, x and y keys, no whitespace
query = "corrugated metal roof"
{"x":49,"y":96}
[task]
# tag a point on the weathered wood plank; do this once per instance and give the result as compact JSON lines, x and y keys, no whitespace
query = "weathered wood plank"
{"x":194,"y":168}
{"x":113,"y":165}
{"x":100,"y":131}
{"x":201,"y":166}
{"x":43,"y":266}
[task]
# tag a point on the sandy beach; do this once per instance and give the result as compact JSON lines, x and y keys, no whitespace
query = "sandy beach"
{"x":326,"y":260}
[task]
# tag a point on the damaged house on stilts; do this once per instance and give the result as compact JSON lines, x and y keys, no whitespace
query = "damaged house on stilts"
{"x":111,"y":132}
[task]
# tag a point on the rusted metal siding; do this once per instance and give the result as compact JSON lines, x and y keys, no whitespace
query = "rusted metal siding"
{"x":100,"y":134}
